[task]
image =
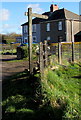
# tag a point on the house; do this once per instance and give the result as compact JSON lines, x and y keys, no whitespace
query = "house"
{"x":19,"y":39}
{"x":61,"y":26}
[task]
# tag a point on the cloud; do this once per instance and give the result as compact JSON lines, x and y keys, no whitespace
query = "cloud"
{"x":5,"y":26}
{"x":4,"y":14}
{"x":35,"y":8}
{"x":9,"y":28}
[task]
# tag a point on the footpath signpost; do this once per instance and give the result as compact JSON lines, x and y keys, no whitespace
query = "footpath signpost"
{"x":30,"y":15}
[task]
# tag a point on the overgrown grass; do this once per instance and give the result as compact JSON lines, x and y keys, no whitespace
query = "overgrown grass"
{"x":22,"y":98}
{"x":55,"y":97}
{"x":61,"y":88}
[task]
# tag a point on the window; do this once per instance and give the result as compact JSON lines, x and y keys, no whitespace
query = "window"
{"x":48,"y":38}
{"x":48,"y":27}
{"x":34,"y":28}
{"x":60,"y":25}
{"x":34,"y":39}
{"x":25,"y":39}
{"x":25,"y":29}
{"x":60,"y":38}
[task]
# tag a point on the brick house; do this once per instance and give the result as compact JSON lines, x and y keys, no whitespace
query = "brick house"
{"x":62,"y":25}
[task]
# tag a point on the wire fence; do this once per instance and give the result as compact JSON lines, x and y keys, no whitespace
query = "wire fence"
{"x":68,"y":51}
{"x":60,"y":53}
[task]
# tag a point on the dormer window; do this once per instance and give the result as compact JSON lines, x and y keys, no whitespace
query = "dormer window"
{"x":48,"y":27}
{"x":60,"y":25}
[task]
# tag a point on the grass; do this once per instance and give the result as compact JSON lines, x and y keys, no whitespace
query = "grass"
{"x":61,"y":88}
{"x":18,"y":97}
{"x":8,"y":51}
{"x":55,"y":97}
{"x":22,"y":98}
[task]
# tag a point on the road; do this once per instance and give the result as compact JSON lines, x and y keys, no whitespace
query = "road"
{"x":11,"y":67}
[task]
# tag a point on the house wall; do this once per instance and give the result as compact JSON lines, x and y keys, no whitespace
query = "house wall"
{"x":54,"y":33}
{"x":72,"y":27}
{"x":68,"y":31}
{"x":37,"y":34}
{"x":22,"y":34}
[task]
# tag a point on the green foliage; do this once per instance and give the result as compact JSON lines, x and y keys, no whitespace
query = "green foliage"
{"x":12,"y":51}
{"x":24,"y":50}
{"x":61,"y":88}
{"x":55,"y":97}
{"x":10,"y":37}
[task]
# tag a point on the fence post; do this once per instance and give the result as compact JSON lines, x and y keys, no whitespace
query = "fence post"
{"x":45,"y":54}
{"x":41,"y":58}
{"x":59,"y":53}
{"x":73,"y":52}
{"x":30,"y":39}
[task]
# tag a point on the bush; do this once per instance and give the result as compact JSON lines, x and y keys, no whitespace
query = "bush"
{"x":24,"y":51}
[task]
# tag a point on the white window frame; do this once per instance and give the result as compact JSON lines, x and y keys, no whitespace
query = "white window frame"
{"x":34,"y":28}
{"x":25,"y":38}
{"x":60,"y":25}
{"x":25,"y":28}
{"x":48,"y":27}
{"x":48,"y":38}
{"x":60,"y":38}
{"x":35,"y":38}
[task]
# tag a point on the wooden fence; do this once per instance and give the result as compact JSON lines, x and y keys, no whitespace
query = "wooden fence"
{"x":59,"y":53}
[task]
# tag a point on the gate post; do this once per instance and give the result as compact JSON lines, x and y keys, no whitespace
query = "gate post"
{"x":41,"y":58}
{"x":59,"y":53}
{"x":45,"y":53}
{"x":73,"y":58}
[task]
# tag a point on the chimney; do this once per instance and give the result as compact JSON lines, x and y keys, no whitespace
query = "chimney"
{"x":53,"y":7}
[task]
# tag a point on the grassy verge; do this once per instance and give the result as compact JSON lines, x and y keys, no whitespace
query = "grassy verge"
{"x":61,"y":88}
{"x":56,"y":97}
{"x":19,"y":97}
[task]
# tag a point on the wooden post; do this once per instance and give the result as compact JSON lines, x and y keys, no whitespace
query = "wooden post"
{"x":30,"y":15}
{"x":30,"y":38}
{"x":73,"y":52}
{"x":59,"y":53}
{"x":45,"y":53}
{"x":41,"y":58}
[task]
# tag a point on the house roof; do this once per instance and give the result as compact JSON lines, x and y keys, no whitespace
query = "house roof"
{"x":58,"y":14}
{"x":71,"y":15}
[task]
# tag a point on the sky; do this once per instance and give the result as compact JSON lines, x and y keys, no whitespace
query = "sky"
{"x":12,"y":13}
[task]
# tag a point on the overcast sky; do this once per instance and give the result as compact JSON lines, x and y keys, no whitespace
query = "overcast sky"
{"x":12,"y":13}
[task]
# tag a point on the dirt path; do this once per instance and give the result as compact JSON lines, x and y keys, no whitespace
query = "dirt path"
{"x":13,"y":67}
